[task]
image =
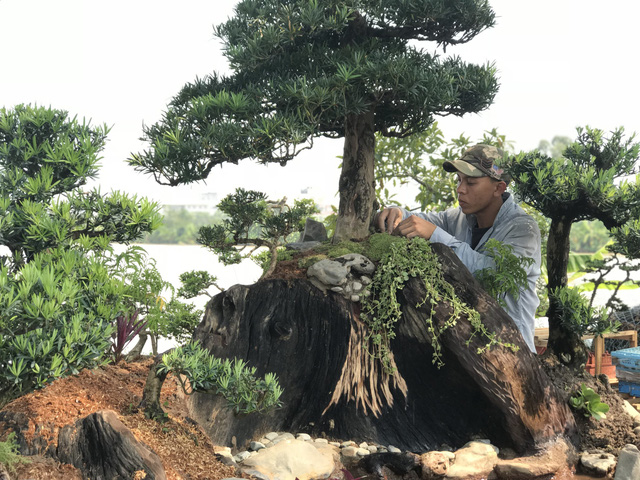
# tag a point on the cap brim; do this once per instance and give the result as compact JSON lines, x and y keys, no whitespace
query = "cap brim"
{"x":463,"y":167}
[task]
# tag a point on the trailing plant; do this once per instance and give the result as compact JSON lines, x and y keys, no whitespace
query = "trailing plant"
{"x":9,"y":455}
{"x":587,"y":401}
{"x":508,"y":276}
{"x":381,"y":311}
{"x":253,"y":222}
{"x":232,"y":379}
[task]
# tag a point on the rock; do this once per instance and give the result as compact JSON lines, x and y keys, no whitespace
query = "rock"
{"x":101,"y":446}
{"x":271,"y":436}
{"x":357,"y":263}
{"x":314,"y":231}
{"x":553,"y":460}
{"x":349,"y":452}
{"x":393,"y":449}
{"x":631,"y":411}
{"x":291,"y":459}
{"x":255,"y":446}
{"x":599,"y":464}
{"x":435,"y":464}
{"x":636,"y":430}
{"x":628,"y":467}
{"x":476,"y":458}
{"x":302,"y":246}
{"x":328,"y":272}
{"x":305,"y":437}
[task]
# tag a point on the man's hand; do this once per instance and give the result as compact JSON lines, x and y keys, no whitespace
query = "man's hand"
{"x":415,"y":227}
{"x":388,"y":219}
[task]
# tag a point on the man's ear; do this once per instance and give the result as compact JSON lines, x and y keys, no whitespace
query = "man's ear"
{"x":501,"y":187}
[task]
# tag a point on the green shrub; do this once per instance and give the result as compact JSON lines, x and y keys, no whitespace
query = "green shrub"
{"x":9,"y":455}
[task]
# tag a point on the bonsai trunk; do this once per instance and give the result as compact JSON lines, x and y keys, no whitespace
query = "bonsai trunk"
{"x":564,"y":342}
{"x":150,"y":402}
{"x":357,"y":187}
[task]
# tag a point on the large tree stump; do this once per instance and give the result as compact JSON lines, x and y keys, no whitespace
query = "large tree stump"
{"x":332,"y":386}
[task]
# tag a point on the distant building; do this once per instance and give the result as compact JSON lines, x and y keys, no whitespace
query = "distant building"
{"x":204,"y":202}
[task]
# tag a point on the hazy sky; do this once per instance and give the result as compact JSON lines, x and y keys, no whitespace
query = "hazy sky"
{"x":562,"y":64}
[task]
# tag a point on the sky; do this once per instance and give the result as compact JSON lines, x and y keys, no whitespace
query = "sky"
{"x":561,"y":64}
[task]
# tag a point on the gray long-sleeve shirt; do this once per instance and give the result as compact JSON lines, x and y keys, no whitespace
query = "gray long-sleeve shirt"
{"x":512,"y":226}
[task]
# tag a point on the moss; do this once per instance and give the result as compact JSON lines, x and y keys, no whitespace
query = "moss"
{"x":306,"y":262}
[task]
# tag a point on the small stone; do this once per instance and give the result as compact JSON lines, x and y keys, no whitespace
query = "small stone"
{"x":355,"y":298}
{"x":382,"y":450}
{"x":356,"y":287}
{"x":372,"y":449}
{"x":365,"y":280}
{"x":304,"y":437}
{"x":393,"y":449}
{"x":242,"y":456}
{"x":334,"y":444}
{"x":255,"y":446}
{"x":271,"y":436}
{"x":363,"y":445}
{"x":636,"y":430}
{"x":348,"y":443}
{"x":337,"y":289}
{"x":322,"y":440}
{"x":349,"y":452}
{"x":286,"y":436}
{"x":628,"y":466}
{"x":598,"y":463}
{"x":362,"y":452}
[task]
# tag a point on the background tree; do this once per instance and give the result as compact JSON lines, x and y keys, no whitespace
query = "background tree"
{"x":416,"y":162}
{"x":592,"y":180}
{"x":305,"y":69}
{"x":61,"y":283}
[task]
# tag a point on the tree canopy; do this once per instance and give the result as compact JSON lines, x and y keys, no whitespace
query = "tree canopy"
{"x":304,"y":69}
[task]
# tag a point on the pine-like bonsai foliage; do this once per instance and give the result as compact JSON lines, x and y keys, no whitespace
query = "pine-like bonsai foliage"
{"x":595,"y":178}
{"x":304,"y":69}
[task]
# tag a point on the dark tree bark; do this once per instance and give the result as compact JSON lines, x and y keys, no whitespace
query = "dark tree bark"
{"x":150,"y":402}
{"x":562,"y":341}
{"x":333,"y":387}
{"x":357,"y":189}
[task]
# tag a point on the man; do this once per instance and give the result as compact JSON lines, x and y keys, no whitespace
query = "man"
{"x":486,"y":211}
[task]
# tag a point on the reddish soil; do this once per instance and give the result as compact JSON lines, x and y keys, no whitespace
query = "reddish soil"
{"x":184,"y":450}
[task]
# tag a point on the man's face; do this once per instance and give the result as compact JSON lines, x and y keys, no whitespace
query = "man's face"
{"x":475,"y":194}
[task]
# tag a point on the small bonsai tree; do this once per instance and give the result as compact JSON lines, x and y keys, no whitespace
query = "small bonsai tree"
{"x":592,"y":180}
{"x":253,"y":222}
{"x":199,"y":371}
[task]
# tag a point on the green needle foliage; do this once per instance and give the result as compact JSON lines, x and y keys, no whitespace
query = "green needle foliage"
{"x":253,"y":222}
{"x":232,"y":379}
{"x":9,"y":455}
{"x":307,"y":68}
{"x":61,"y":284}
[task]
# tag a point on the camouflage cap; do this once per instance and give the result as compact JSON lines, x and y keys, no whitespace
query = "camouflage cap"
{"x":478,"y":161}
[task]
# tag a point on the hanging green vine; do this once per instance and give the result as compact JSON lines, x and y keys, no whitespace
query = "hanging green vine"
{"x":381,"y":310}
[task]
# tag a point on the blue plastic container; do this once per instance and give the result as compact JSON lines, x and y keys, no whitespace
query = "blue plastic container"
{"x":628,"y":358}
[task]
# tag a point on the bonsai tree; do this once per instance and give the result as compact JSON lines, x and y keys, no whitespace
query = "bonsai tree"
{"x":306,"y":69}
{"x":591,"y":180}
{"x":61,"y":284}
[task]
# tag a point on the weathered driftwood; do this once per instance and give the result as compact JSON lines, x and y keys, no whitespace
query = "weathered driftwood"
{"x":333,"y":387}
